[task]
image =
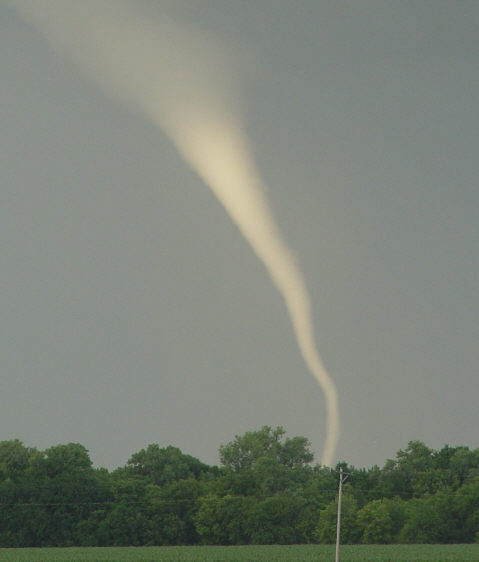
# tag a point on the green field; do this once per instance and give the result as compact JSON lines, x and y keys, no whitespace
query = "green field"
{"x":306,"y":553}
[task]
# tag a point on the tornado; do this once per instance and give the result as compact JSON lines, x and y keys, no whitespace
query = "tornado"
{"x":186,"y":82}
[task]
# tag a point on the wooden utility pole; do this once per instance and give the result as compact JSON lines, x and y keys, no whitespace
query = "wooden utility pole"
{"x":342,"y":478}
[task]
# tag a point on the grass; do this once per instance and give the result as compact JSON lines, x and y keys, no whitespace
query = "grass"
{"x":299,"y":553}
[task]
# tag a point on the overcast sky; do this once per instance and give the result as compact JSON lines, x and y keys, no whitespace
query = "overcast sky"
{"x":133,"y":311}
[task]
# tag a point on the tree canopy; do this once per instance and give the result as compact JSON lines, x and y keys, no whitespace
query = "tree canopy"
{"x":265,"y":490}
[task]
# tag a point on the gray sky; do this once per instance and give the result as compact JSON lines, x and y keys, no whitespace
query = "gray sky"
{"x":132,"y":310}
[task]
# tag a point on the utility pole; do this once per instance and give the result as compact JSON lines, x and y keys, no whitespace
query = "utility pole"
{"x":343,"y":476}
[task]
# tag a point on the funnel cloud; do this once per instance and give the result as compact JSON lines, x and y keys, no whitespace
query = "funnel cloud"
{"x":186,"y":83}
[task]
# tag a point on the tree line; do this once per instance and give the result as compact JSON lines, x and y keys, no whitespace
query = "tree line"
{"x":265,"y":491}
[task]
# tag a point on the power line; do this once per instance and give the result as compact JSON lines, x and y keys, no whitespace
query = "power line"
{"x":218,"y":499}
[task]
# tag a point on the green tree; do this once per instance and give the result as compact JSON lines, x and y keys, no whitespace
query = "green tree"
{"x":410,"y":474}
{"x":380,"y":521}
{"x":320,"y":487}
{"x":164,"y":465}
{"x":466,"y":511}
{"x":48,"y":493}
{"x":247,"y":449}
{"x":430,"y":519}
{"x":350,"y":531}
{"x":281,"y":519}
{"x":124,"y":521}
{"x":264,"y":463}
{"x":20,"y":525}
{"x":223,"y":520}
{"x":14,"y":459}
{"x":171,"y":511}
{"x":464,"y":464}
{"x":125,"y":525}
{"x":70,"y":490}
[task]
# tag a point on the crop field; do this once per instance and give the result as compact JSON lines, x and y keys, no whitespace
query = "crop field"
{"x":299,"y":553}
